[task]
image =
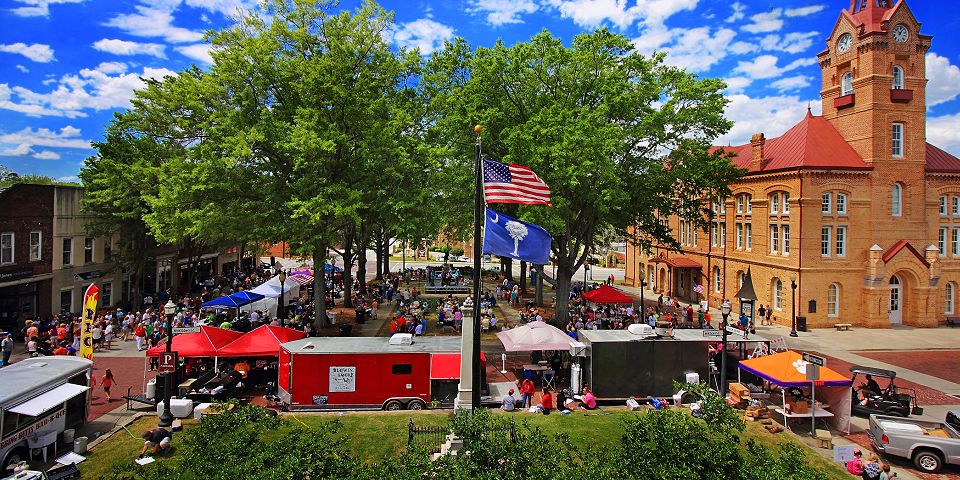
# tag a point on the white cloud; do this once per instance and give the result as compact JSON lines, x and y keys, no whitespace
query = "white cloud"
{"x":791,"y":83}
{"x":22,"y":68}
{"x":502,"y":12}
{"x":944,"y":84}
{"x":769,"y":21}
{"x":93,"y":89}
{"x":37,"y":52}
{"x":770,"y":115}
{"x":738,"y":9}
{"x":697,"y":49}
{"x":68,"y":178}
{"x":794,"y":42}
{"x":46,"y":155}
{"x":111,"y":67}
{"x":594,"y":13}
{"x":122,"y":47}
{"x":38,"y":8}
{"x":69,"y":137}
{"x":199,"y":52}
{"x":737,"y":84}
{"x":18,"y":151}
{"x":943,"y":132}
{"x":153,"y":23}
{"x":804,"y":11}
{"x":765,"y":66}
{"x":425,"y":34}
{"x":741,"y":48}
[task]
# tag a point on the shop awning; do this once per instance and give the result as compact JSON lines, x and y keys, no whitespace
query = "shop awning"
{"x":48,"y":401}
{"x":444,"y":366}
{"x":677,"y":262}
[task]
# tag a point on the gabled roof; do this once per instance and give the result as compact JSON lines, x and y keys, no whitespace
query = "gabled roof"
{"x":900,"y":245}
{"x":872,"y":13}
{"x":940,"y":161}
{"x":811,"y":143}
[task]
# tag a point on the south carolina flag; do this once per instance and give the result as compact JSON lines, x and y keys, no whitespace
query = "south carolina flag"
{"x":508,"y":237}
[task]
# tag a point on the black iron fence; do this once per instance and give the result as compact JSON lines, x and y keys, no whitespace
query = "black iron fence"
{"x":432,"y":438}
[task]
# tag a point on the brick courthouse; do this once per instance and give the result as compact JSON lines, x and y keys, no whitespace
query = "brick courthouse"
{"x":854,"y":206}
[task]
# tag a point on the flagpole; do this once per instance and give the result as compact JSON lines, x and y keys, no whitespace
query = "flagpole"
{"x":478,"y":215}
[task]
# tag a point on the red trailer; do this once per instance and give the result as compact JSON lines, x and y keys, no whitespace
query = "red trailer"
{"x":349,"y":372}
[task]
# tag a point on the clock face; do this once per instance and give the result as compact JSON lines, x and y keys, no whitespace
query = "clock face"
{"x":846,"y":40}
{"x":900,"y":33}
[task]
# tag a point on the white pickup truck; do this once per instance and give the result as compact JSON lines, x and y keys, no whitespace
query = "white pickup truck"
{"x":928,"y":443}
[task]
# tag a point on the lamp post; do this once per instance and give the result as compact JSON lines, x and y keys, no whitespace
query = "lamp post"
{"x":166,"y":418}
{"x":643,"y":283}
{"x":793,"y":306}
{"x":725,"y":311}
{"x":281,"y":311}
{"x":586,"y":266}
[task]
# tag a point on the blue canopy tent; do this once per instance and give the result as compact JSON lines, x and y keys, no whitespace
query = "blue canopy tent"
{"x":236,"y":300}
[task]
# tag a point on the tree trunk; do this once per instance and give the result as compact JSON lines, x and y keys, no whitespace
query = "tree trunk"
{"x":506,"y":264}
{"x":564,"y":275}
{"x":539,"y":295}
{"x":362,"y":268}
{"x":379,"y":252}
{"x":320,"y":287}
{"x":523,"y":276}
{"x":386,"y":255}
{"x":349,"y":234}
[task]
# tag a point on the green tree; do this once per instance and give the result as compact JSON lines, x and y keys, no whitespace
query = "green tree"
{"x":621,"y":139}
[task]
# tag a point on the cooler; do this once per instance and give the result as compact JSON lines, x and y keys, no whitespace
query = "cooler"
{"x":179,"y":407}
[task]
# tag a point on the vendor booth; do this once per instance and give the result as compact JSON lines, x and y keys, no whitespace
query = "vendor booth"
{"x":263,"y":341}
{"x":831,"y":395}
{"x":607,"y":294}
{"x":535,"y":336}
{"x":271,"y":291}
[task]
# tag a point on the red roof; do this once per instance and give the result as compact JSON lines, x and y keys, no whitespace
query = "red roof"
{"x":606,"y":294}
{"x":872,"y":13}
{"x":205,"y":343}
{"x":940,"y":161}
{"x":444,"y":366}
{"x":677,"y":262}
{"x":811,"y":143}
{"x":262,"y":341}
{"x":900,"y":245}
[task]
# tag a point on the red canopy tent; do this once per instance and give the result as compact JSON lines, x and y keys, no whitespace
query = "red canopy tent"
{"x":261,"y":342}
{"x":204,"y":343}
{"x":606,"y":294}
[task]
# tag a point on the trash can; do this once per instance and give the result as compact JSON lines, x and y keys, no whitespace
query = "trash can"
{"x":345,"y":329}
{"x":802,"y":324}
{"x":361,"y":316}
{"x":68,"y":435}
{"x":80,"y":445}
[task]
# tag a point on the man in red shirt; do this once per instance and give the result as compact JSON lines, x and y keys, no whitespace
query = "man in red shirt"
{"x":526,"y":389}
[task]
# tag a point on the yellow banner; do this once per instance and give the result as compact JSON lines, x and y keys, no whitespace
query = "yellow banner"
{"x":89,"y":313}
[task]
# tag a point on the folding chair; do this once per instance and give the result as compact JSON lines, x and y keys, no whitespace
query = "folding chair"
{"x":548,"y":379}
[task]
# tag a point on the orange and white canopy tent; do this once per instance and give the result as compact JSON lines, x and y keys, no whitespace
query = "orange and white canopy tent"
{"x":788,"y":369}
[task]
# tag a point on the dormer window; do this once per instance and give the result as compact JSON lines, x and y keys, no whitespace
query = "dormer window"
{"x":897,"y":78}
{"x":846,"y":84}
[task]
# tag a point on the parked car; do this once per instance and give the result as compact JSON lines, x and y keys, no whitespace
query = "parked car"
{"x":929,"y":444}
{"x":893,"y":400}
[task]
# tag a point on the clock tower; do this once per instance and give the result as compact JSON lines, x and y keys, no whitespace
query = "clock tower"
{"x":874,"y":81}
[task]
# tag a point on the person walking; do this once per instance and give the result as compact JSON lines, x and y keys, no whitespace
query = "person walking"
{"x":140,"y":333}
{"x":6,"y":345}
{"x":106,"y":382}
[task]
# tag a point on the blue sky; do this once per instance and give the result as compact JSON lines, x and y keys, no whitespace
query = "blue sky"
{"x":67,"y":65}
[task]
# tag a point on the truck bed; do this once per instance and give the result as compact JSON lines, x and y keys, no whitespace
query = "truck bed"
{"x":904,"y":436}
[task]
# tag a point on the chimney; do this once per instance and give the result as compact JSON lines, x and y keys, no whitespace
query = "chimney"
{"x":757,"y":163}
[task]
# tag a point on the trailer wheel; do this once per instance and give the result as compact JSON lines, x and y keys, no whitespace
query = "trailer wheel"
{"x":416,"y":405}
{"x":15,"y":456}
{"x":927,"y":461}
{"x":393,"y":405}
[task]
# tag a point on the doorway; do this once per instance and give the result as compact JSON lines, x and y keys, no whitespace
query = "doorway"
{"x":896,"y":301}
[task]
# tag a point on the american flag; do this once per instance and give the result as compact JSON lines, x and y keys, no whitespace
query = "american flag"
{"x":698,"y":288}
{"x":509,"y":183}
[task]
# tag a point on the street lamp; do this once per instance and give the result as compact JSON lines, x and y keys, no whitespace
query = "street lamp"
{"x":725,"y":311}
{"x":793,"y":305}
{"x":166,"y":418}
{"x":281,"y":311}
{"x":643,"y":283}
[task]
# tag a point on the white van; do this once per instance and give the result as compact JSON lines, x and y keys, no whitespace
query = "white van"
{"x":41,"y":395}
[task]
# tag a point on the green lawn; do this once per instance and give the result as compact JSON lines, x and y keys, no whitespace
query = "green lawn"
{"x":374,"y":436}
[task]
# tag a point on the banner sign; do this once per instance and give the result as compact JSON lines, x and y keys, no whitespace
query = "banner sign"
{"x":84,"y":276}
{"x":89,"y":311}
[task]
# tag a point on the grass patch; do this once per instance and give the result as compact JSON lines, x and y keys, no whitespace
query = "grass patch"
{"x":121,"y":447}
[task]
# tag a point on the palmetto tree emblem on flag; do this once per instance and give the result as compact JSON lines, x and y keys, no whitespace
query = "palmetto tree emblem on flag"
{"x":517,"y":232}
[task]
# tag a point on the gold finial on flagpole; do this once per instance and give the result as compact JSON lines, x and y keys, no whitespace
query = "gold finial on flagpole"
{"x":478,"y":129}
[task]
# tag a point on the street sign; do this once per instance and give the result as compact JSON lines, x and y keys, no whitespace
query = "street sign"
{"x":180,"y":330}
{"x":820,"y":361}
{"x":168,"y":362}
{"x":813,"y":372}
{"x":735,"y":330}
{"x":713,"y":333}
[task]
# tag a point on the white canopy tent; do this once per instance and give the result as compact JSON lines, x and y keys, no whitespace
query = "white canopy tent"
{"x":271,"y":291}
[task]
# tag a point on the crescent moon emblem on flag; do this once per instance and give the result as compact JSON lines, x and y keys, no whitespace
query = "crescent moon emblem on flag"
{"x":496,"y":217}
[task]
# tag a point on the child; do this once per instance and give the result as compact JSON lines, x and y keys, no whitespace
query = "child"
{"x":106,"y":382}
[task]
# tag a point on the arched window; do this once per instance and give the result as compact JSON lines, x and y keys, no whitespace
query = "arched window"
{"x":948,"y":299}
{"x":716,"y":279}
{"x":833,"y":295}
{"x":777,"y":294}
{"x":741,"y":277}
{"x":897,"y":77}
{"x":896,"y":200}
{"x":846,"y":84}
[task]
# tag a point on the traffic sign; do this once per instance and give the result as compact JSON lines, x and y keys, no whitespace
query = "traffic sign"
{"x":813,"y":372}
{"x":735,"y":330}
{"x":713,"y":333}
{"x":809,"y":358}
{"x":168,"y":362}
{"x":179,"y":330}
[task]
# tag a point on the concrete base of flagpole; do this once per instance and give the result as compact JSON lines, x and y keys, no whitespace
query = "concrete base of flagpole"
{"x":465,"y":390}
